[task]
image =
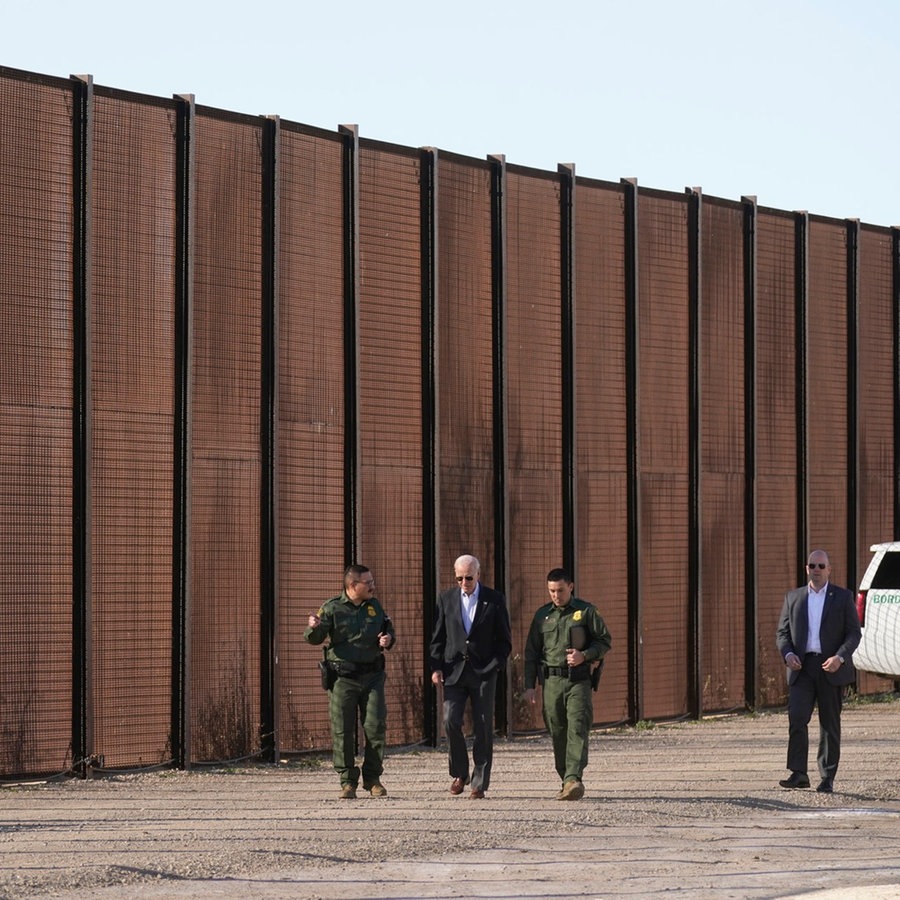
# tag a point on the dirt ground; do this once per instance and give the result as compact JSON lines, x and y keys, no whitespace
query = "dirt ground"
{"x":689,"y":809}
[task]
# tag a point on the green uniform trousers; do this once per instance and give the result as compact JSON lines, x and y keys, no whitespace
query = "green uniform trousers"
{"x":568,"y":714}
{"x":363,"y":697}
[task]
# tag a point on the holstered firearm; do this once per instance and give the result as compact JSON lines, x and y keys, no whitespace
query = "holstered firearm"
{"x":326,"y":672}
{"x":596,"y":672}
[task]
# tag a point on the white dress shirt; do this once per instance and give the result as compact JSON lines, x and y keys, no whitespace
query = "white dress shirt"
{"x":814,"y":607}
{"x":469,"y":602}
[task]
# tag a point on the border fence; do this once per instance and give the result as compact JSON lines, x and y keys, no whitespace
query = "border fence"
{"x":240,"y":353}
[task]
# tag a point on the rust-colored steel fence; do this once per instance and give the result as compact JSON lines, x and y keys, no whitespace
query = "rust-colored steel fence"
{"x":240,"y":353}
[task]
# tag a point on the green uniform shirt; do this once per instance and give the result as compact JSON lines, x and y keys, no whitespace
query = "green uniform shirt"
{"x":550,"y":636}
{"x":352,"y":630}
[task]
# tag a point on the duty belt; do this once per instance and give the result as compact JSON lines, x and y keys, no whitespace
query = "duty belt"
{"x":574,"y":673}
{"x":353,"y":669}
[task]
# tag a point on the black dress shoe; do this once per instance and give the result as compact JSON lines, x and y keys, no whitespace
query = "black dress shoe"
{"x":797,"y":780}
{"x":826,"y":786}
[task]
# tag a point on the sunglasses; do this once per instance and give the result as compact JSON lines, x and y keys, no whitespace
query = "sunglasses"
{"x":817,"y":565}
{"x":462,"y":578}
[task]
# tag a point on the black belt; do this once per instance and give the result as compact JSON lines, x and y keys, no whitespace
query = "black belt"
{"x":559,"y":671}
{"x":580,"y":672}
{"x":352,"y":670}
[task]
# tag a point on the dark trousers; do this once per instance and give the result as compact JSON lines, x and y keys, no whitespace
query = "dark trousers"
{"x":480,"y":692}
{"x":812,"y":688}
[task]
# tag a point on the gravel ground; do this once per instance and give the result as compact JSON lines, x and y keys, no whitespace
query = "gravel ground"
{"x":689,"y":809}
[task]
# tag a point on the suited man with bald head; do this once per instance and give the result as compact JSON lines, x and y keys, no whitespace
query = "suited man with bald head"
{"x":817,"y":634}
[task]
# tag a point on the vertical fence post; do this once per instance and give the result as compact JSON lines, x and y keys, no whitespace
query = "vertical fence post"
{"x":500,"y":430}
{"x":181,"y":478}
{"x":801,"y":417}
{"x":751,"y":612}
{"x":82,"y":177}
{"x":351,"y":340}
{"x":268,"y":557}
{"x":428,"y":158}
{"x":569,"y":364}
{"x":695,"y":445}
{"x":853,"y":232}
{"x":632,"y":438}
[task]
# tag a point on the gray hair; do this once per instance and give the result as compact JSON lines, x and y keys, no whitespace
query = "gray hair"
{"x":466,"y":560}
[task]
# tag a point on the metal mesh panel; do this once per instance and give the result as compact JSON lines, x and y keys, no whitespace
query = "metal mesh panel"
{"x":826,"y":417}
{"x":602,"y":525}
{"x":311,"y":423}
{"x":875,"y":410}
{"x":875,"y":390}
{"x":722,"y":455}
{"x":132,"y":430}
{"x":534,"y":412}
{"x":663,"y":426}
{"x":776,"y":441}
{"x":390,"y":419}
{"x":36,"y":424}
{"x":465,"y":366}
{"x":225,"y":478}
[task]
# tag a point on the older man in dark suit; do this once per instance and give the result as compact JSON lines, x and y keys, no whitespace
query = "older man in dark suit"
{"x":469,"y":646}
{"x":817,"y":634}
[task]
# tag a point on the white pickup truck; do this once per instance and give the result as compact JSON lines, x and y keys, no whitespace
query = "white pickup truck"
{"x":878,"y":606}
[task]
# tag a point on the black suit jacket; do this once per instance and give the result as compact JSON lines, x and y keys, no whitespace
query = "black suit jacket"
{"x":486,"y":647}
{"x":839,"y":632}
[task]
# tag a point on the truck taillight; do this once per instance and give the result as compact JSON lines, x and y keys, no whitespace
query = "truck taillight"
{"x":861,"y":607}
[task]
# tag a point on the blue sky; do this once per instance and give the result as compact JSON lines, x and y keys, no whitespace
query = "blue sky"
{"x":794,"y":101}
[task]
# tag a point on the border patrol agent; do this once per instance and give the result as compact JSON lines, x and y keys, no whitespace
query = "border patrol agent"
{"x":566,"y":639}
{"x":358,"y":631}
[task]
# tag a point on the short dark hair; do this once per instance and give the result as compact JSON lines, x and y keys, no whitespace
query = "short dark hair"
{"x":559,"y":574}
{"x":352,"y":574}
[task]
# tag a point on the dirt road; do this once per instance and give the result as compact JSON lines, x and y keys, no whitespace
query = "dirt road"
{"x":688,"y":810}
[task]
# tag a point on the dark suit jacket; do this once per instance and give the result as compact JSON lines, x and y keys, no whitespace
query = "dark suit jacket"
{"x":486,"y":647}
{"x":839,"y":631}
